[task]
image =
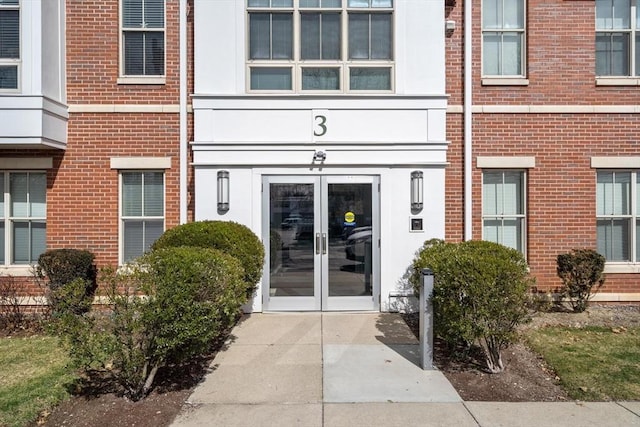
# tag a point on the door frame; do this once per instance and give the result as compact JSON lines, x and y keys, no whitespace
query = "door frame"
{"x":321,"y":301}
{"x":353,"y":303}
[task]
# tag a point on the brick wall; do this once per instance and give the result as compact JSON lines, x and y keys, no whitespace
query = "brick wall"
{"x":560,"y":59}
{"x":91,"y":219}
{"x":561,"y":188}
{"x":93,"y":42}
{"x":83,"y":202}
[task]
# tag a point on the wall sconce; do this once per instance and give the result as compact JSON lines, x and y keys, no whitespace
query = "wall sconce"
{"x":223,"y":191}
{"x":416,"y":191}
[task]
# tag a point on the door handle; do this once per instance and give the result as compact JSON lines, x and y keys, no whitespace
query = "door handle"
{"x":324,"y":243}
{"x":318,"y":243}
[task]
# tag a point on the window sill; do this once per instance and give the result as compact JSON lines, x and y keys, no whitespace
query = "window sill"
{"x":155,"y":80}
{"x":17,"y":270}
{"x":617,"y":81}
{"x":621,"y":268}
{"x":505,"y":81}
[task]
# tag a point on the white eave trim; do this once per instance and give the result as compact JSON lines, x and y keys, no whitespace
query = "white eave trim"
{"x":501,"y":162}
{"x":26,"y":163}
{"x":621,"y":162}
{"x":140,"y":162}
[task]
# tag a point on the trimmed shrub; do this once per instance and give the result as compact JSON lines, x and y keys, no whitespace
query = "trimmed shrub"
{"x":70,"y":279}
{"x":167,"y":308}
{"x":580,"y":270}
{"x":480,"y":293}
{"x":230,"y":237}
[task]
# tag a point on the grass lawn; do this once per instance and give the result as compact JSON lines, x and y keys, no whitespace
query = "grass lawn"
{"x":593,"y":363}
{"x":32,"y":378}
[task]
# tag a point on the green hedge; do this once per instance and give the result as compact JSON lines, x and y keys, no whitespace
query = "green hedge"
{"x":582,"y":274}
{"x":70,"y":278}
{"x":230,"y":237}
{"x":169,"y":306}
{"x":481,"y":293}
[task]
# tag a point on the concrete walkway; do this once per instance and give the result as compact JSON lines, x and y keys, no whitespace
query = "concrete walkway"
{"x":336,"y":369}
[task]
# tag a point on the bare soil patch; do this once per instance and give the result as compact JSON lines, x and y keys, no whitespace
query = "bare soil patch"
{"x":97,"y":405}
{"x":526,"y":378}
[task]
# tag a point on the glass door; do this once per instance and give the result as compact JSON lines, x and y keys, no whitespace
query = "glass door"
{"x":322,"y":243}
{"x":350,"y":221}
{"x":291,"y":217}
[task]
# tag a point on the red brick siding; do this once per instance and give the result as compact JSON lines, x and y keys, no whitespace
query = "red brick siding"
{"x":560,"y":189}
{"x":560,"y":59}
{"x":84,"y":176}
{"x":93,"y":41}
{"x":83,"y":203}
{"x":560,"y":68}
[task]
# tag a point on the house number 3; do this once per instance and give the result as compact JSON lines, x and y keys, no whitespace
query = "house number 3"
{"x":320,"y":125}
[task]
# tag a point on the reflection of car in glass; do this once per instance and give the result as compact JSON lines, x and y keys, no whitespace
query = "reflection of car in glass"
{"x":357,"y":243}
{"x":287,"y":223}
{"x":304,"y":228}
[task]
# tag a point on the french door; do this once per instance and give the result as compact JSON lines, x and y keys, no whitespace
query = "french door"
{"x":322,"y":243}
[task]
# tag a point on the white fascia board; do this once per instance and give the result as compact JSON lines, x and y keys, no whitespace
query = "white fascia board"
{"x":263,"y":156}
{"x":301,"y":102}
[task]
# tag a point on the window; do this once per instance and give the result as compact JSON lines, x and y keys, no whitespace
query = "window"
{"x":142,"y":38}
{"x":9,"y":43}
{"x":503,"y":38}
{"x":503,"y":208}
{"x":617,"y":37}
{"x":617,"y":212}
{"x":142,"y":212}
{"x":23,"y":217}
{"x":320,"y":45}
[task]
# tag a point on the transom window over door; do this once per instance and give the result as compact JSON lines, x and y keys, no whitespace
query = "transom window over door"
{"x":9,"y":44}
{"x":503,"y":38}
{"x":503,"y":208}
{"x":143,"y":46}
{"x":617,"y":38}
{"x":617,"y":215}
{"x":320,"y":45}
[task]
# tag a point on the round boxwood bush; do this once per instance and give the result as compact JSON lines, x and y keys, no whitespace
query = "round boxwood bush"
{"x":230,"y":237}
{"x":70,"y":279}
{"x":480,"y":295}
{"x":190,"y":287}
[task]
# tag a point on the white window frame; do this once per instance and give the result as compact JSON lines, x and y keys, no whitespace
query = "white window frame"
{"x":506,"y":79}
{"x":502,"y":216}
{"x":296,"y":64}
{"x":8,"y":219}
{"x":140,"y":79}
{"x":122,"y":218}
{"x":14,"y":62}
{"x":632,"y":217}
{"x":633,"y":74}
